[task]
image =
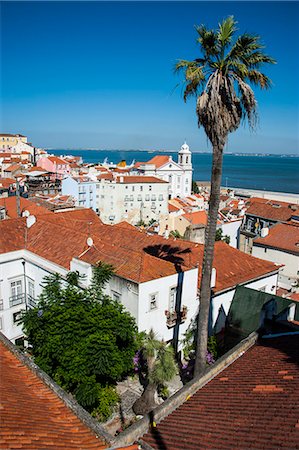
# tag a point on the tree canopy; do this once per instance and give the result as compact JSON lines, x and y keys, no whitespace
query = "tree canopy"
{"x":82,"y":338}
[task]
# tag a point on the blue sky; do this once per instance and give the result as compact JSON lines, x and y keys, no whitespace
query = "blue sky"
{"x":100,"y":74}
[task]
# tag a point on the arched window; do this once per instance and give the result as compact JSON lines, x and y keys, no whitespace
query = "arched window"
{"x":187,"y":159}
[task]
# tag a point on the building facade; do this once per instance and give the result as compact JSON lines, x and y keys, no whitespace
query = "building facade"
{"x":177,"y":174}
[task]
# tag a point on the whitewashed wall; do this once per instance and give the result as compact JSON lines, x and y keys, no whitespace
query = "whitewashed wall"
{"x":12,"y":269}
{"x":156,"y":318}
{"x":289,"y":273}
{"x":231,"y":229}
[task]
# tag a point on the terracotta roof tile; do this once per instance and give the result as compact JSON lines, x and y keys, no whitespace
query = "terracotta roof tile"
{"x":197,"y":218}
{"x":158,"y":161}
{"x":56,"y":160}
{"x":277,"y":211}
{"x":254,"y":403}
{"x":33,"y":416}
{"x":137,"y":256}
{"x":10,"y":204}
{"x":282,"y":237}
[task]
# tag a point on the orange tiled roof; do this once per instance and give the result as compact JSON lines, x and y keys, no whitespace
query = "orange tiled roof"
{"x":172,"y":208}
{"x":56,"y":160}
{"x":197,"y":217}
{"x":253,"y":403}
{"x":158,"y":161}
{"x":136,"y":256}
{"x":7,"y":182}
{"x":33,"y":416}
{"x":281,"y":236}
{"x":13,"y":167}
{"x":277,"y":211}
{"x":10,"y":203}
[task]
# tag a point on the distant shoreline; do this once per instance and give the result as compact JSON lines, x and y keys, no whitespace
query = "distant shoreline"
{"x":282,"y":155}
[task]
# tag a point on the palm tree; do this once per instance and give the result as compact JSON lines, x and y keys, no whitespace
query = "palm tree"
{"x":219,"y":79}
{"x":159,"y":368}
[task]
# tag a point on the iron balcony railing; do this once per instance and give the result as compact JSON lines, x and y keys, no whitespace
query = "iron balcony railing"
{"x":15,"y":300}
{"x":18,"y":299}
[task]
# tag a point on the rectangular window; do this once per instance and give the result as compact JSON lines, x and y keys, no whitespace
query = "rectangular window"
{"x":31,"y":289}
{"x":141,"y":188}
{"x":16,"y":317}
{"x":153,"y":197}
{"x":147,"y":197}
{"x":172,"y":296}
{"x":1,"y":323}
{"x":1,"y":305}
{"x":133,"y":188}
{"x":160,"y":198}
{"x":16,"y":288}
{"x":153,"y":301}
{"x":116,"y":296}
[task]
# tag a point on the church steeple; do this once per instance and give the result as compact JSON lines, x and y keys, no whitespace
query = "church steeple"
{"x":185,"y":156}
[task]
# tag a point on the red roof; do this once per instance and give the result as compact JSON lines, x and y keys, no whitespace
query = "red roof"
{"x":7,"y":182}
{"x":136,"y":256}
{"x":197,"y":218}
{"x":172,"y":208}
{"x":158,"y":161}
{"x":13,"y":168}
{"x":270,"y":209}
{"x":56,"y":160}
{"x":281,"y":236}
{"x":33,"y":416}
{"x":10,"y":203}
{"x":251,"y":404}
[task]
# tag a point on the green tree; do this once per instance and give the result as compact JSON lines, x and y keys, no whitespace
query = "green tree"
{"x":157,"y":366}
{"x":82,"y":338}
{"x":176,"y":234}
{"x":219,"y":78}
{"x":219,"y":236}
{"x":195,"y":188}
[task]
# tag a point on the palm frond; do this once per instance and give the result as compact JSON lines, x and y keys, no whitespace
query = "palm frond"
{"x":255,"y":59}
{"x":259,"y":79}
{"x":208,"y":41}
{"x":226,"y":31}
{"x":245,"y":44}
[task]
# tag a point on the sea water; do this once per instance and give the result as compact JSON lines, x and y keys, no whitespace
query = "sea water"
{"x":264,"y":172}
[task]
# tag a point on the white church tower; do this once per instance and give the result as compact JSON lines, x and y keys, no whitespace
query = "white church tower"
{"x":185,"y":161}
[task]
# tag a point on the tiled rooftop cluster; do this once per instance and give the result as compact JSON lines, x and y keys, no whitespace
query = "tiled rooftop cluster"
{"x":254,"y":403}
{"x":135,"y":255}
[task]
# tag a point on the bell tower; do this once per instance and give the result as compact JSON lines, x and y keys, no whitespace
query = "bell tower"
{"x":185,"y":156}
{"x":185,"y":162}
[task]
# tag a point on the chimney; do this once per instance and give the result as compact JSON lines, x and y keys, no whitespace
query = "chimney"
{"x":264,"y":232}
{"x":30,"y":220}
{"x":213,"y":278}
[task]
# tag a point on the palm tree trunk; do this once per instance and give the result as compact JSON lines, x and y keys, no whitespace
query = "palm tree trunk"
{"x":146,"y":403}
{"x":205,"y":287}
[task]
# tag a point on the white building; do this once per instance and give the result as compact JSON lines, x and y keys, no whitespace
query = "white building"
{"x":155,"y":279}
{"x":280,"y":244}
{"x":119,"y":198}
{"x":178,"y":174}
{"x":83,"y":189}
{"x":132,"y":198}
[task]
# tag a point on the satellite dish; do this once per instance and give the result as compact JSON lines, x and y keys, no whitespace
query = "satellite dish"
{"x":89,"y":242}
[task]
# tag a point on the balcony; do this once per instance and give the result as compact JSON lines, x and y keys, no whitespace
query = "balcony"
{"x":172,"y":317}
{"x":15,"y":300}
{"x":19,"y":299}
